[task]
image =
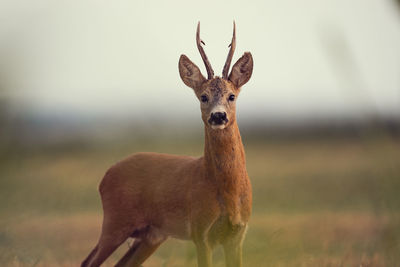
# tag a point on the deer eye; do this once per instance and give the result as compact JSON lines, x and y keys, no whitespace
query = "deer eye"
{"x":204,"y":98}
{"x":231,"y":98}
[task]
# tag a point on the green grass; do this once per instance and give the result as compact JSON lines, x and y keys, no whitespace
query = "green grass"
{"x":322,"y":202}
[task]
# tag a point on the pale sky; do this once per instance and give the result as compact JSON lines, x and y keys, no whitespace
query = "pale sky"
{"x":311,"y":57}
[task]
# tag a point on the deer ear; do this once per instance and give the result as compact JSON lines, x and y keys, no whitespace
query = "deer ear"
{"x":190,"y":73}
{"x":242,"y":70}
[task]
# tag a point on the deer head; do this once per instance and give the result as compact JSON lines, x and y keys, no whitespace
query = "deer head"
{"x":217,"y":95}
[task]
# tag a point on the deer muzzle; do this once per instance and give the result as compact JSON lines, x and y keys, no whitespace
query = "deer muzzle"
{"x":218,"y":119}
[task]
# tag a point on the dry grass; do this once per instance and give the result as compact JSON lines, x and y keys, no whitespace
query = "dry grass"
{"x":305,"y":239}
{"x":316,"y":203}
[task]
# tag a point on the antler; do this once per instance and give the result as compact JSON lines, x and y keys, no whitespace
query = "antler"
{"x":210,"y":71}
{"x":230,"y":54}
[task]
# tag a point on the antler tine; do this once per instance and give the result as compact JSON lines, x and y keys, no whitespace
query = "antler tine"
{"x":210,"y":71}
{"x":230,"y":54}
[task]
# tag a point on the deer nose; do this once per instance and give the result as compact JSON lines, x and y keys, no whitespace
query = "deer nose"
{"x":218,"y":118}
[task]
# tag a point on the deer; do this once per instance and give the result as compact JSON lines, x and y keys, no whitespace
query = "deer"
{"x":152,"y":196}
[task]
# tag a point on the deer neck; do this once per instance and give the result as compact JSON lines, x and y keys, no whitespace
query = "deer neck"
{"x":225,"y":165}
{"x":224,"y":157}
{"x":224,"y":153}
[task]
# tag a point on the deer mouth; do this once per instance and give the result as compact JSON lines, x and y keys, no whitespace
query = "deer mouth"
{"x":218,"y":123}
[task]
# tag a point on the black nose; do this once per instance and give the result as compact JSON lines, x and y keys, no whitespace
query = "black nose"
{"x":218,"y":118}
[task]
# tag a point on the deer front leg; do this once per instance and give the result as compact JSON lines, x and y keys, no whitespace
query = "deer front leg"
{"x":233,"y":248}
{"x":204,"y":254}
{"x":233,"y":254}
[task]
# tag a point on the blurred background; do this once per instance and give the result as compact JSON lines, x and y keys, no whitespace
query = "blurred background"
{"x":83,"y":84}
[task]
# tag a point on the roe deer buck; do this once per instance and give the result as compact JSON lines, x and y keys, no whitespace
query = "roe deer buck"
{"x":151,"y":197}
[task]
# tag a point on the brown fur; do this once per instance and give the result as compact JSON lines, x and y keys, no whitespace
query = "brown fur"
{"x":151,"y":196}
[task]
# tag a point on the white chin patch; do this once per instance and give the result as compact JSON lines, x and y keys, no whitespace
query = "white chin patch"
{"x":218,"y":127}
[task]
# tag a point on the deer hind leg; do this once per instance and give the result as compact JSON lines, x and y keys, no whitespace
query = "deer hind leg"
{"x":148,"y":239}
{"x":139,"y":252}
{"x":89,"y":257}
{"x":109,"y":241}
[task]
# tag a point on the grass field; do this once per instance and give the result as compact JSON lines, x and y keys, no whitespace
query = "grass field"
{"x":317,"y":202}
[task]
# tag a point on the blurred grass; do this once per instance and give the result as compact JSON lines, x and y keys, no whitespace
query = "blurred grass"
{"x":317,"y":202}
